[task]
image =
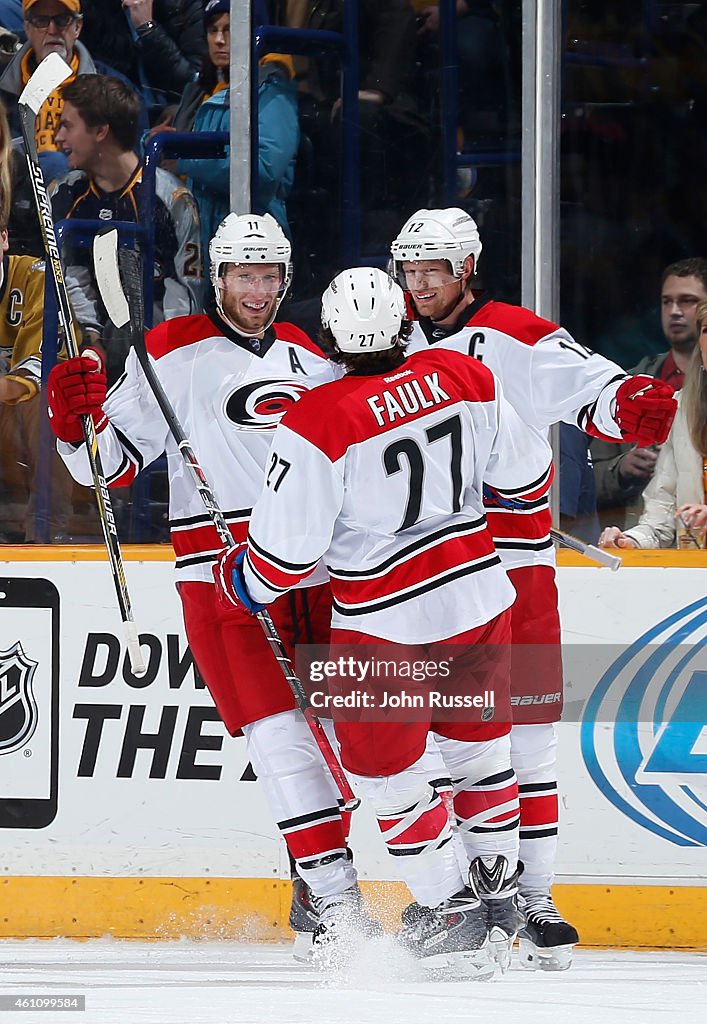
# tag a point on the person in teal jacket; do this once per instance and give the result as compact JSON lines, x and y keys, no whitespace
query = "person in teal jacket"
{"x":204,"y":108}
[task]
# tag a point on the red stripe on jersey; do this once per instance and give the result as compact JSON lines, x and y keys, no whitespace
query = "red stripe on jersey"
{"x":506,"y":816}
{"x":188,"y":330}
{"x":541,"y":489}
{"x":125,"y":478}
{"x":420,"y":568}
{"x":539,"y":810}
{"x":517,"y":321}
{"x":280,"y":579}
{"x":199,"y":539}
{"x":178,"y":333}
{"x":428,"y":827}
{"x":523,"y":525}
{"x":358,"y":407}
{"x":313,"y":840}
{"x":475,"y":803}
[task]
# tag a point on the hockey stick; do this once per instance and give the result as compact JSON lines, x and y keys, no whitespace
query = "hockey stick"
{"x":589,"y":551}
{"x":49,"y":75}
{"x":118,"y":273}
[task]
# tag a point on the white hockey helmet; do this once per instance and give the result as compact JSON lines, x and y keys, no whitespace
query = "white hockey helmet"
{"x":250,"y":238}
{"x":364,"y":309}
{"x":449,"y":234}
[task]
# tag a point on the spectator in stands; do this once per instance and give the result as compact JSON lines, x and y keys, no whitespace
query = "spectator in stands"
{"x":51,"y":26}
{"x":204,"y":108}
{"x":389,"y":116}
{"x":622,"y":471}
{"x":5,"y":167}
{"x":483,"y":59}
{"x":99,"y":132}
{"x":21,"y":311}
{"x":11,"y":15}
{"x":578,"y":500}
{"x":675,"y":503}
{"x":158,"y":44}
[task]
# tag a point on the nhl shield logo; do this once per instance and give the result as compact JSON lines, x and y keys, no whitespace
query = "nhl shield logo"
{"x":18,"y":708}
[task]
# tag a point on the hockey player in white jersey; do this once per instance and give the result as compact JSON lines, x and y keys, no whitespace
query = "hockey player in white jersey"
{"x":230,"y":373}
{"x":548,"y":377}
{"x":381,"y":474}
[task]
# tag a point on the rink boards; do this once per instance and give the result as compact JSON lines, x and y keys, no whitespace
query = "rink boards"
{"x":125,"y":809}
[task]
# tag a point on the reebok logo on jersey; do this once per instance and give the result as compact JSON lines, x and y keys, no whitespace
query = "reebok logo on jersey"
{"x":407,"y":398}
{"x":397,"y":376}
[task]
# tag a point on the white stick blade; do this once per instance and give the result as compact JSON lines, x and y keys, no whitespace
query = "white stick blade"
{"x":105,"y":265}
{"x":52,"y":71}
{"x":603,"y":557}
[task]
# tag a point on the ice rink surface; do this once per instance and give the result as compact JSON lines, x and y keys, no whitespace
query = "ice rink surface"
{"x":221,"y":982}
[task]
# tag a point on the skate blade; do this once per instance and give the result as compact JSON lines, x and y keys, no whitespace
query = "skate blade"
{"x":500,"y":949}
{"x":537,"y":958}
{"x":466,"y":965}
{"x":302,"y":949}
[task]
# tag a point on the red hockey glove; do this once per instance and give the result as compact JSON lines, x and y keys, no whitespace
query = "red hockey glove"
{"x":645,"y":410}
{"x":76,"y":388}
{"x":230,"y":584}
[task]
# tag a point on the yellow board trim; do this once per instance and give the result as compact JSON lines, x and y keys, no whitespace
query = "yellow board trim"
{"x":665,"y":558}
{"x":256,"y":909}
{"x":84,"y":553}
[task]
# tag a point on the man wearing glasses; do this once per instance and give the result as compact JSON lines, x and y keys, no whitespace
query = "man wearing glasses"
{"x":51,"y":26}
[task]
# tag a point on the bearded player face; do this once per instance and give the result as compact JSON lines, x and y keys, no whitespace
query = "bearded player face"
{"x":249,"y":294}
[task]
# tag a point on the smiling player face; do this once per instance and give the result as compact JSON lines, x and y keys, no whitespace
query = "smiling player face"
{"x":249,"y":294}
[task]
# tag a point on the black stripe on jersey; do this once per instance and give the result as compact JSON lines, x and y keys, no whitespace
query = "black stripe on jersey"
{"x":528,"y":506}
{"x":411,"y":549}
{"x":398,"y":815}
{"x":532,"y":787}
{"x":412,"y":851}
{"x":327,"y":858}
{"x":287,"y":566}
{"x":309,"y":819}
{"x":522,"y":545}
{"x":426,"y":588}
{"x":268,"y":583}
{"x":586,"y":413}
{"x":234,"y":515}
{"x":509,"y":492}
{"x":117,"y":384}
{"x":124,"y":465}
{"x":186,"y":560}
{"x":544,"y":833}
{"x":491,"y":780}
{"x":126,"y":443}
{"x":440,"y":784}
{"x":507,"y":826}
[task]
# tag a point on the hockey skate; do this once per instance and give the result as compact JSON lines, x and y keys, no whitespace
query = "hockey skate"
{"x":343,"y":924}
{"x":499,"y":895}
{"x":547,"y":939}
{"x":303,"y":919}
{"x":450,"y":938}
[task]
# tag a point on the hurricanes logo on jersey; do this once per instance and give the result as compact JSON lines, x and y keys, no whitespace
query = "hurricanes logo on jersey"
{"x":261,"y":404}
{"x":18,"y":708}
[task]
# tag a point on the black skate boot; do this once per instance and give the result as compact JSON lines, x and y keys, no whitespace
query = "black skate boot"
{"x":343,"y":925}
{"x":303,"y":918}
{"x":547,"y":939}
{"x":499,"y":894}
{"x":451,"y":937}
